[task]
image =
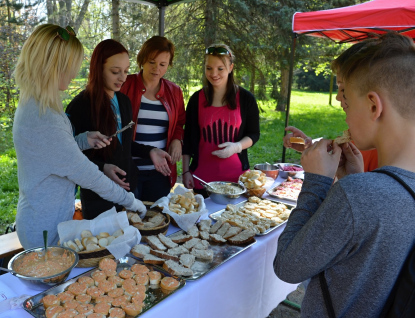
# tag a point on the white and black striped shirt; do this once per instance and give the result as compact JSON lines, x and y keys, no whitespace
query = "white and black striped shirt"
{"x":152,"y":128}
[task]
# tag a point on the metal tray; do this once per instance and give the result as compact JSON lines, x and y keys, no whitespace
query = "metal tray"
{"x":216,"y":215}
{"x":34,"y":306}
{"x":269,"y":191}
{"x":222,"y":252}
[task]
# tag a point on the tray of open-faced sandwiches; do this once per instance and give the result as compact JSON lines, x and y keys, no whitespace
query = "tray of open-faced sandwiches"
{"x":198,"y":251}
{"x":287,"y":190}
{"x":122,"y":288}
{"x":260,"y":215}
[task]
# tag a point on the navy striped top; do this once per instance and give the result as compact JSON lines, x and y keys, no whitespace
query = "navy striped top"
{"x":152,"y":128}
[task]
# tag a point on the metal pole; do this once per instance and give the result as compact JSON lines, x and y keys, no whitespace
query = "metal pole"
{"x":331,"y":87}
{"x":290,"y":81}
{"x":162,"y":9}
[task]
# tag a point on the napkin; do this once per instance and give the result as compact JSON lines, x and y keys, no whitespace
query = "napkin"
{"x":109,"y":221}
{"x":184,"y":221}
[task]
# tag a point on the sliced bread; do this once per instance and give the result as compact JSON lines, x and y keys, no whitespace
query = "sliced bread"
{"x":164,"y":255}
{"x":215,"y":227}
{"x":166,"y":241}
{"x":246,"y":236}
{"x":180,"y":238}
{"x":178,"y":250}
{"x":233,"y":230}
{"x":204,"y":225}
{"x":155,"y":243}
{"x":189,"y":244}
{"x":175,"y":268}
{"x":202,"y":245}
{"x":152,"y":259}
{"x":193,"y":231}
{"x":157,"y":220}
{"x":205,"y":255}
{"x":187,"y":260}
{"x":204,"y":235}
{"x":140,"y":250}
{"x":223,"y":229}
{"x":217,"y":238}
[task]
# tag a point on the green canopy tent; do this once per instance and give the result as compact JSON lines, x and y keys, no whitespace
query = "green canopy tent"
{"x":161,"y":4}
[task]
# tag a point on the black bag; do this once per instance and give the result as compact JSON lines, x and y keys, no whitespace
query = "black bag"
{"x":401,"y":300}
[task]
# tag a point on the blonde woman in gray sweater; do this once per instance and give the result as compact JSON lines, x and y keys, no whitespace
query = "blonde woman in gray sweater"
{"x":50,"y":160}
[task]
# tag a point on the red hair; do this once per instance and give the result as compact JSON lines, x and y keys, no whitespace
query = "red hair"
{"x":102,"y":115}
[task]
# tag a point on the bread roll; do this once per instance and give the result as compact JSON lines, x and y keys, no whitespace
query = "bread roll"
{"x":103,"y":242}
{"x":102,"y":235}
{"x":86,"y":233}
{"x":169,"y":283}
{"x":72,"y":245}
{"x":79,"y":244}
{"x":92,"y":247}
{"x":118,"y":233}
{"x":110,"y":239}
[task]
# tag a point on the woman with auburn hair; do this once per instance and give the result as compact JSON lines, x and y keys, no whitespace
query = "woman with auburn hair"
{"x":222,"y":121}
{"x":102,"y":107}
{"x":49,"y":159}
{"x":158,"y":111}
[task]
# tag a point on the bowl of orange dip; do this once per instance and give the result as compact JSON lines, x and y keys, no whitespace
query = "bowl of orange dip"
{"x":36,"y":268}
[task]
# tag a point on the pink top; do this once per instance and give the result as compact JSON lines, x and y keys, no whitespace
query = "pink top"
{"x":217,"y":125}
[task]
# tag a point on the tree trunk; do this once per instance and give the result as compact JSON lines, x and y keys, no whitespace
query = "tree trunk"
{"x":62,"y":14}
{"x":252,"y":81}
{"x":49,"y":9}
{"x":211,"y":12}
{"x":69,"y":12}
{"x":282,"y":100}
{"x":81,"y":15}
{"x":116,"y":20}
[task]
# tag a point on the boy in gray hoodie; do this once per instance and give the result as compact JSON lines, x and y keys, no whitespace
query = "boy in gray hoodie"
{"x":360,"y":230}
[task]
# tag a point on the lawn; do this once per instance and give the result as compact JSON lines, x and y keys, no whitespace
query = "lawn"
{"x":309,"y":111}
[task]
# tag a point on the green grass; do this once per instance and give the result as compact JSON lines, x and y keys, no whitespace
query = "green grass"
{"x":309,"y":112}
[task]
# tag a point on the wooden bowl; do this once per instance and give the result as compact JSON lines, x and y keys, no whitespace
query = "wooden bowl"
{"x":148,"y":231}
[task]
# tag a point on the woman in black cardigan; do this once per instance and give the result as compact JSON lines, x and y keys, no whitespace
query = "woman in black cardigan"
{"x":222,"y":122}
{"x":103,"y":108}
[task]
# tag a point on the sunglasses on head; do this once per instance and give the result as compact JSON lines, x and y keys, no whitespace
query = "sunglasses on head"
{"x":65,"y":34}
{"x":217,"y":50}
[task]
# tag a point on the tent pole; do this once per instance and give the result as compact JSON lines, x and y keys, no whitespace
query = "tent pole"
{"x":162,"y":9}
{"x":290,"y":81}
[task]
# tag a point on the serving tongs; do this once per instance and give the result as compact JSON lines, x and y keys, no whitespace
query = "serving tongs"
{"x":129,"y":125}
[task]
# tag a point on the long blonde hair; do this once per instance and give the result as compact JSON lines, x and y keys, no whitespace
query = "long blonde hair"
{"x":44,"y":59}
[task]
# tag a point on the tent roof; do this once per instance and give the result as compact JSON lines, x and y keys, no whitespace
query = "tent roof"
{"x":358,"y":22}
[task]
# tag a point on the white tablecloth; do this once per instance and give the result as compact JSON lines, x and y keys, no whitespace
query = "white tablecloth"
{"x":244,"y":286}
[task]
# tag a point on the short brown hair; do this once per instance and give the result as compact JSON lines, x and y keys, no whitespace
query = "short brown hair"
{"x":337,"y":63}
{"x":387,"y":66}
{"x":153,"y":47}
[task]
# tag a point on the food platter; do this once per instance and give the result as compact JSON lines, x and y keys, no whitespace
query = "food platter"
{"x":222,"y":252}
{"x":288,"y":189}
{"x":216,"y":215}
{"x":154,"y":294}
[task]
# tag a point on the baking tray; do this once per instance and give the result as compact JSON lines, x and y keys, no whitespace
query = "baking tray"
{"x":216,"y":215}
{"x":34,"y":306}
{"x":269,"y":191}
{"x":222,"y":252}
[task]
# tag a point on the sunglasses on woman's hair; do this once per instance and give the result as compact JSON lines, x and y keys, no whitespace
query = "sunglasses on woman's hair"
{"x":217,"y":50}
{"x":65,"y":34}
